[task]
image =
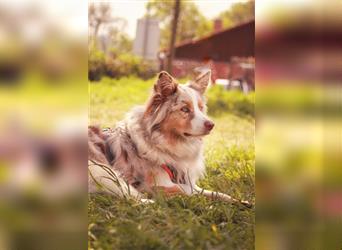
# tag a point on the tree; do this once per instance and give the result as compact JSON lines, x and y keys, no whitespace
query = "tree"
{"x":238,"y":13}
{"x":191,"y":24}
{"x":98,"y":15}
{"x":101,"y":21}
{"x":176,"y":12}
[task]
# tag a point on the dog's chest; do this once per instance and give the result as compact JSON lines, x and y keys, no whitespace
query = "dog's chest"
{"x":186,"y":172}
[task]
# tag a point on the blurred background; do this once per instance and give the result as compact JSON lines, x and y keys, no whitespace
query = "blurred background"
{"x":298,"y":109}
{"x":142,"y":38}
{"x":43,"y":123}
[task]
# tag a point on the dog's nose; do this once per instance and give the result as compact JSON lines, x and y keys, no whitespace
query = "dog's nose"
{"x":209,"y":125}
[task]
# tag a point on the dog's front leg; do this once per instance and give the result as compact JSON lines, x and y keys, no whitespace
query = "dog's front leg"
{"x":218,"y":196}
{"x":161,"y":182}
{"x":193,"y":190}
{"x":169,"y":190}
{"x":213,"y":194}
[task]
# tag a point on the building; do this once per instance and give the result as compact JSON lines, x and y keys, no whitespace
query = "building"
{"x":228,"y":52}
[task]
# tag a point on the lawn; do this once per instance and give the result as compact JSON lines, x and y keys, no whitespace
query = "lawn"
{"x":181,"y":222}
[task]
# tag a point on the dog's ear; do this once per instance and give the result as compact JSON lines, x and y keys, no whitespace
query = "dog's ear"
{"x":165,"y":85}
{"x":201,"y":82}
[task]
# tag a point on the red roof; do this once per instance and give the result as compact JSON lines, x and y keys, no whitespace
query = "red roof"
{"x":221,"y":46}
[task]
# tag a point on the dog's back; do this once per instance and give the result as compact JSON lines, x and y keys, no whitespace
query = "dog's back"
{"x":102,"y":175}
{"x":97,"y":146}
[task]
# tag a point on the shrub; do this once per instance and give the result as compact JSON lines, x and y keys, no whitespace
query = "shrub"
{"x":147,"y":70}
{"x":96,"y":65}
{"x":221,"y":101}
{"x":117,"y":66}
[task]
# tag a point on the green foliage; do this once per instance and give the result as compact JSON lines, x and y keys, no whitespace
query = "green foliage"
{"x":118,"y":65}
{"x":122,"y":43}
{"x":238,"y":13}
{"x":238,"y":103}
{"x":178,"y":222}
{"x":96,"y":65}
{"x":189,"y":18}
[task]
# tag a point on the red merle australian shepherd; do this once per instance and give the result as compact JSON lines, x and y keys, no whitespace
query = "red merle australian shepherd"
{"x":158,"y":147}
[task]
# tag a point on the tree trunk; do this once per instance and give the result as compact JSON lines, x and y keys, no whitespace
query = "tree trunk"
{"x":173,"y":35}
{"x":96,"y":30}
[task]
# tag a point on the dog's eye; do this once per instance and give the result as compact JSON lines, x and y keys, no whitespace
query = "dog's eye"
{"x":185,"y":110}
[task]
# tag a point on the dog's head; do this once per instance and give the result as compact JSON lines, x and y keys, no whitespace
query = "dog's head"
{"x":179,"y":110}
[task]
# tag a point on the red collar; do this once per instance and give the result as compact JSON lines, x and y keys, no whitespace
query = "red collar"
{"x":168,"y":171}
{"x":173,"y":174}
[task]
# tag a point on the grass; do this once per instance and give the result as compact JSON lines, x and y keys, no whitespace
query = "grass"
{"x":180,"y":222}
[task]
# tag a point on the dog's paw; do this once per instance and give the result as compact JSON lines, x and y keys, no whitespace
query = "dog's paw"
{"x":146,"y":201}
{"x":247,"y":204}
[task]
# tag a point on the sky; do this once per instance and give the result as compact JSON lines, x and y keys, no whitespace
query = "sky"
{"x":131,"y":10}
{"x":70,"y":15}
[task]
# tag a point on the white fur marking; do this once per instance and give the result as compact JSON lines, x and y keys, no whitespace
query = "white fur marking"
{"x":197,"y":123}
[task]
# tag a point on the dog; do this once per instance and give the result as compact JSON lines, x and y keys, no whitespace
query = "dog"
{"x":158,"y":147}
